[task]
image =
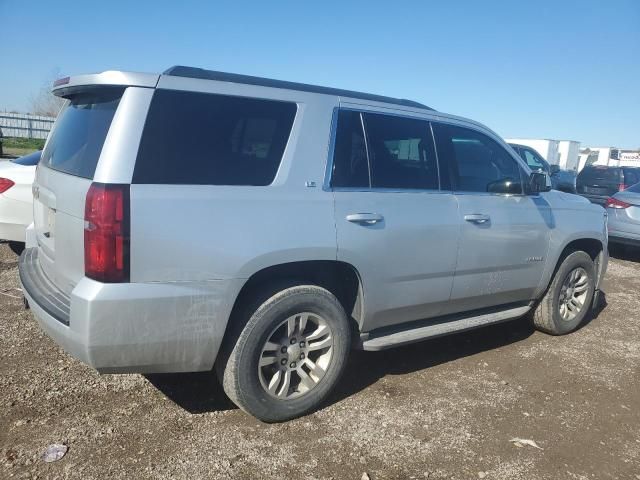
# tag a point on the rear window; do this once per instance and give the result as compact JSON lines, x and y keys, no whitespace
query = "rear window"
{"x":602,"y":175}
{"x":81,"y":128}
{"x":209,"y":139}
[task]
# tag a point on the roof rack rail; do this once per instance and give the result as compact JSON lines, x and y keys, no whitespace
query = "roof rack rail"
{"x":194,"y":72}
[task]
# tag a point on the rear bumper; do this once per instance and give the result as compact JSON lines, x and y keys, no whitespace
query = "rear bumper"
{"x":14,"y":218}
{"x":624,"y":238}
{"x":133,"y":327}
{"x":12,"y":231}
{"x":623,"y":232}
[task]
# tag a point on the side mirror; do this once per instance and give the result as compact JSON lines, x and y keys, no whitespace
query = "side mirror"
{"x":505,"y":186}
{"x":538,"y":182}
{"x":553,"y":169}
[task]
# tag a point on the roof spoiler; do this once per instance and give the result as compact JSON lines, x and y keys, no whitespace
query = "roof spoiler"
{"x":68,"y":85}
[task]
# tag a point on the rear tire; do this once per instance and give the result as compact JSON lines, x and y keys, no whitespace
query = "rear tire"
{"x":288,"y":356}
{"x":569,"y":296}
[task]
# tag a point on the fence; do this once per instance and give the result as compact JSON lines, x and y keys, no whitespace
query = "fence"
{"x":25,"y":125}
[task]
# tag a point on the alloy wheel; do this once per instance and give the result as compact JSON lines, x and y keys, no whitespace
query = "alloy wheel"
{"x":296,"y":356}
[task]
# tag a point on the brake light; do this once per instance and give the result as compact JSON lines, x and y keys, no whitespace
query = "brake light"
{"x":61,"y":81}
{"x":622,"y":186}
{"x":5,"y":184}
{"x":615,"y":203}
{"x":106,"y":233}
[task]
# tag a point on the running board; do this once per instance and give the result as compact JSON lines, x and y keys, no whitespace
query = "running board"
{"x":404,"y":337}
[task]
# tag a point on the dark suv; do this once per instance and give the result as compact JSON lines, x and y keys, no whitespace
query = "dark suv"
{"x":599,"y":182}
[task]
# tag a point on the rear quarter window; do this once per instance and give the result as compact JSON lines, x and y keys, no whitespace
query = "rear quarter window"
{"x":80,"y":131}
{"x":209,"y":139}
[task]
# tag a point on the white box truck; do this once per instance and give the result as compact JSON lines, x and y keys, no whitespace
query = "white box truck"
{"x":569,"y":151}
{"x":616,"y":157}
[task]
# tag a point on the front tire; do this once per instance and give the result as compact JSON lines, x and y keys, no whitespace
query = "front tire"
{"x":289,"y":355}
{"x":569,"y":297}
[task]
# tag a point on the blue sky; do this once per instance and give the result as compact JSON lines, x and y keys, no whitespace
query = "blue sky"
{"x":543,"y":69}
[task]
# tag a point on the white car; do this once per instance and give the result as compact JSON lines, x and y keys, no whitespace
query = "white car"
{"x":16,"y":198}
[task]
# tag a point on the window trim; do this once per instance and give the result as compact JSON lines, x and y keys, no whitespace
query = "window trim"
{"x":327,"y":187}
{"x":366,"y":147}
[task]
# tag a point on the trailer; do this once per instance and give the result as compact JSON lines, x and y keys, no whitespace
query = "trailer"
{"x":569,"y":152}
{"x":616,"y":157}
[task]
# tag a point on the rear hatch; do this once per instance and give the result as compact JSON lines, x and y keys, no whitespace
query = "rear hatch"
{"x":599,"y":181}
{"x":63,"y":178}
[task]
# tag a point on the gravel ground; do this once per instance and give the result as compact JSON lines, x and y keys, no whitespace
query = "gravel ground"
{"x":445,"y":408}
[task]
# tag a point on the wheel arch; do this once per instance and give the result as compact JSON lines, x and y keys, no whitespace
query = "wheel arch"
{"x":592,"y":245}
{"x":340,"y":278}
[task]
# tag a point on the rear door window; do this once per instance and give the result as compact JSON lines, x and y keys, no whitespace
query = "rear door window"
{"x":350,"y":162}
{"x":80,"y":131}
{"x":400,"y":152}
{"x":395,"y":153}
{"x":209,"y":139}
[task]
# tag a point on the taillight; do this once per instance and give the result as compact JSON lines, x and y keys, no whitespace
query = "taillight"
{"x":106,"y":233}
{"x":615,"y":203}
{"x":622,"y":186}
{"x":5,"y":184}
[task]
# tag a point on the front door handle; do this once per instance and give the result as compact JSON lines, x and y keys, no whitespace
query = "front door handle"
{"x":477,"y":218}
{"x":365,"y":218}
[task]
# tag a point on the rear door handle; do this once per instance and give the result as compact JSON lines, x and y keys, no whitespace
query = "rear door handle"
{"x":365,"y":218}
{"x":477,"y":218}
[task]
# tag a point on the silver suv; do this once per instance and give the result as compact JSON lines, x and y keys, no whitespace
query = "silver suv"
{"x":198,"y":219}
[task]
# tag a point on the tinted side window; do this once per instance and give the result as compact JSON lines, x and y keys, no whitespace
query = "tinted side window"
{"x":534,"y":161}
{"x":401,"y":152}
{"x":476,"y":162}
{"x":350,"y":164}
{"x":207,"y":139}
